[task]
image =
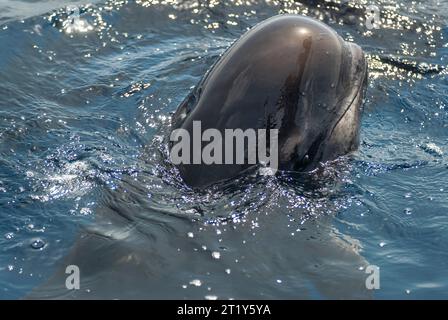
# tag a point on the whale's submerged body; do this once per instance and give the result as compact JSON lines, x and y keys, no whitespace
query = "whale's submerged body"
{"x":290,"y":73}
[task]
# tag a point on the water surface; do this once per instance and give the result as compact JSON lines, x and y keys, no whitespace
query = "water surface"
{"x":84,"y":113}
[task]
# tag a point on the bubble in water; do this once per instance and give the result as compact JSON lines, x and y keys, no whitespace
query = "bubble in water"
{"x":210,"y":297}
{"x":216,"y":255}
{"x":38,"y":244}
{"x":190,"y":234}
{"x":228,"y":271}
{"x":408,"y":211}
{"x":382,"y":244}
{"x":279,"y":281}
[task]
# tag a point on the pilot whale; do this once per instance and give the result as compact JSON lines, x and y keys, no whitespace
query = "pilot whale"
{"x":291,"y":74}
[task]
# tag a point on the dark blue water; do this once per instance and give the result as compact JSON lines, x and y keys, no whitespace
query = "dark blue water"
{"x":84,"y":114}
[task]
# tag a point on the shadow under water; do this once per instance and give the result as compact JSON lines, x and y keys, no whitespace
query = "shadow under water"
{"x":270,"y":233}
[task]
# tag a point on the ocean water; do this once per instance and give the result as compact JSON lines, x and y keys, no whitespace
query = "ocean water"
{"x":85,"y":106}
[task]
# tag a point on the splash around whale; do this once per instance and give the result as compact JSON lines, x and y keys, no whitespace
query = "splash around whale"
{"x":289,"y":73}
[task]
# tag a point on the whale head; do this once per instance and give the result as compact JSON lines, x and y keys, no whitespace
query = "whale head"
{"x":291,"y":74}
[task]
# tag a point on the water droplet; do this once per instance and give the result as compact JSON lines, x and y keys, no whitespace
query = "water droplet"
{"x":216,"y":255}
{"x":9,"y":235}
{"x":85,"y":211}
{"x":408,"y":291}
{"x":210,"y":297}
{"x":432,"y":149}
{"x":279,"y":281}
{"x":38,"y":244}
{"x":382,"y":244}
{"x":190,"y":234}
{"x":196,"y":282}
{"x":228,"y":271}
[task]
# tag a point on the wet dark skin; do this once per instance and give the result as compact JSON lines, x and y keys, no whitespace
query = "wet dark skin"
{"x":290,"y":73}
